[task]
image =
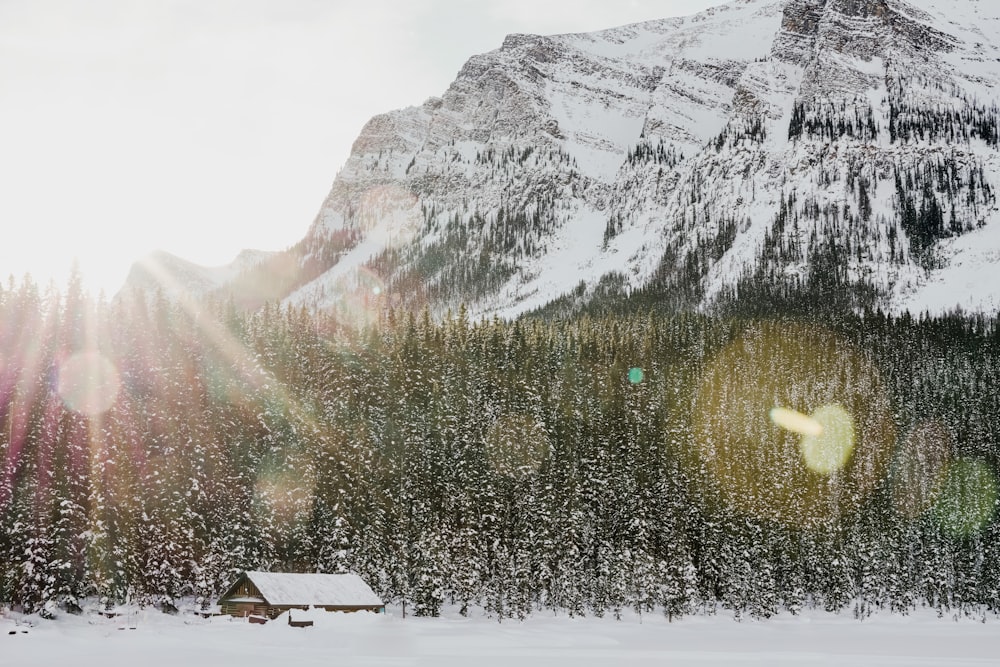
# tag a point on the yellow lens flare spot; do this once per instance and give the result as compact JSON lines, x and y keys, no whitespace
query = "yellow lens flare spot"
{"x":830,"y":449}
{"x":88,"y":383}
{"x":758,"y":456}
{"x":796,"y":422}
{"x":968,"y":498}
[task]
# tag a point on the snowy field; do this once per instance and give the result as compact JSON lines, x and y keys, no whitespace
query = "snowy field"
{"x":148,"y":638}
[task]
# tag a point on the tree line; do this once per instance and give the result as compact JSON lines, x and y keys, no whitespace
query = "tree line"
{"x":588,"y":465}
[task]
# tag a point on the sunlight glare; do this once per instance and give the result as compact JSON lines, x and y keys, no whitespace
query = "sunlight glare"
{"x":361,"y":296}
{"x":796,"y":422}
{"x":285,"y":492}
{"x":88,"y":383}
{"x":829,"y":450}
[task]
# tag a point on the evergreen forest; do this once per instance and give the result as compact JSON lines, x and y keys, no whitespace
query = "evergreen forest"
{"x":670,"y":464}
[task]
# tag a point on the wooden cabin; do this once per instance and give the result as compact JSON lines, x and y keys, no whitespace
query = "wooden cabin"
{"x":272,"y":593}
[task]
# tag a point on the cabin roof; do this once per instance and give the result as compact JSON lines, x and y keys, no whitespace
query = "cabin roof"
{"x":321,"y":590}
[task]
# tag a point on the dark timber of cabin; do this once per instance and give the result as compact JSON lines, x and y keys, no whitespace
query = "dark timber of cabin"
{"x":244,"y":599}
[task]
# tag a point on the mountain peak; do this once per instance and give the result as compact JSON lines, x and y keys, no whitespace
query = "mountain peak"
{"x":772,"y":151}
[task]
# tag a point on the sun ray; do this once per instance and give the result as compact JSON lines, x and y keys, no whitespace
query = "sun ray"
{"x":29,"y":371}
{"x":247,"y":367}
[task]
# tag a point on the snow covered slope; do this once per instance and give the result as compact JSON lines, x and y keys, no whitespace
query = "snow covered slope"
{"x":501,"y":193}
{"x":755,"y":151}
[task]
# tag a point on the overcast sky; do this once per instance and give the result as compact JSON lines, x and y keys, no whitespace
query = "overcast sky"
{"x":202,"y":127}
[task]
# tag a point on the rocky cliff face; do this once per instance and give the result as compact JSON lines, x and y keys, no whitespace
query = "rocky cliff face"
{"x":763,"y":150}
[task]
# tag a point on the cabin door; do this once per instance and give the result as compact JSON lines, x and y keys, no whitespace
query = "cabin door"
{"x":244,"y":608}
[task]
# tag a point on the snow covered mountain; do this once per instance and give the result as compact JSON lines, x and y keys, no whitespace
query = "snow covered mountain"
{"x":176,"y":277}
{"x":756,"y":151}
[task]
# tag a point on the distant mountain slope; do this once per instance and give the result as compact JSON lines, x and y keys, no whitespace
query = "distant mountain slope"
{"x":759,"y":152}
{"x":162,"y":270}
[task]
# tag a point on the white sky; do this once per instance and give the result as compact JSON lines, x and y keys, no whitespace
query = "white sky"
{"x":203,"y":127}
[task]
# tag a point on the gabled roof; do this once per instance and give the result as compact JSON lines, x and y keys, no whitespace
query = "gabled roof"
{"x":321,"y":590}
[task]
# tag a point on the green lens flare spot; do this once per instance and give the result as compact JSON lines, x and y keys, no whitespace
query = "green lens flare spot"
{"x":636,"y":375}
{"x":968,"y":498}
{"x":828,"y":450}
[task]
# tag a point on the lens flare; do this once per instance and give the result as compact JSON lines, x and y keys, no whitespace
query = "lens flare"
{"x":829,"y":450}
{"x":834,"y":430}
{"x":920,"y":468}
{"x":390,"y":214}
{"x":360,"y":296}
{"x":968,"y":498}
{"x":516,"y":446}
{"x":636,"y":375}
{"x":88,"y":383}
{"x":285,"y":493}
{"x":796,"y":422}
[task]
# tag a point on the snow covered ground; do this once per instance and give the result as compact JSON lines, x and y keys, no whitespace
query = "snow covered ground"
{"x":813,"y":638}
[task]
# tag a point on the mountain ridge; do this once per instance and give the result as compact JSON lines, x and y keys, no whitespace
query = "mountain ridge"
{"x":701,"y":158}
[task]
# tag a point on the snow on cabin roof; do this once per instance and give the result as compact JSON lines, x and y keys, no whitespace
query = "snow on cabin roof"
{"x":281,"y":588}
